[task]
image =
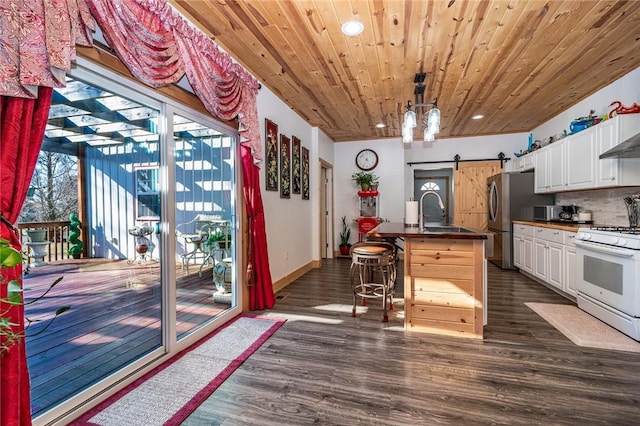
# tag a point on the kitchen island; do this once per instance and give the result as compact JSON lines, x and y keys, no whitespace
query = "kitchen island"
{"x":444,"y":278}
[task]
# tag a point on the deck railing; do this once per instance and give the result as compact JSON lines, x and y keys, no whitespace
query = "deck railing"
{"x":57,"y":234}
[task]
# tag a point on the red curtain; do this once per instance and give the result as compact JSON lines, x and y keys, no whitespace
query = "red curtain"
{"x":22,"y":124}
{"x":261,"y":292}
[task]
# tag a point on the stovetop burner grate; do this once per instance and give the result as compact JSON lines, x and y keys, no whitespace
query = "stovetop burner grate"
{"x":619,"y":229}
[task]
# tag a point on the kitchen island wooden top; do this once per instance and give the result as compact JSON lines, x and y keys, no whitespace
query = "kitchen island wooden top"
{"x":399,"y":230}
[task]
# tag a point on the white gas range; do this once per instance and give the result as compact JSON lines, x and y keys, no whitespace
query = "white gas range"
{"x":608,"y":276}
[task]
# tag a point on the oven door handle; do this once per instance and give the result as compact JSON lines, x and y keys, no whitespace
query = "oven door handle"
{"x":600,"y":248}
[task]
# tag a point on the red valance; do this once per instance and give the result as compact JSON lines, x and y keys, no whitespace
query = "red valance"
{"x":159,"y":46}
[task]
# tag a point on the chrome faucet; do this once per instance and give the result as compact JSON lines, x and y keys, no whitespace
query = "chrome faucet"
{"x":440,"y":203}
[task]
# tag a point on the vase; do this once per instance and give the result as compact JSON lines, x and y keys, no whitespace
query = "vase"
{"x":37,"y":235}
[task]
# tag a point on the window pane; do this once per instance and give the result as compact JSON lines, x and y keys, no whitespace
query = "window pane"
{"x":114,"y":288}
{"x":205,"y":220}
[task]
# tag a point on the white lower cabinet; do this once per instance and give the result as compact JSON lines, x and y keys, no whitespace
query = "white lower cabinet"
{"x":569,"y":259}
{"x":547,"y":254}
{"x":523,"y":247}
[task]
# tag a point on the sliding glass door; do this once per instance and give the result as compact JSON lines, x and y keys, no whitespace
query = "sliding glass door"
{"x":156,"y":198}
{"x":205,"y":222}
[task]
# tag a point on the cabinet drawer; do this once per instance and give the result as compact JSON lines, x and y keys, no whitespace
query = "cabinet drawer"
{"x":548,"y":234}
{"x":524,"y":230}
{"x":443,"y":300}
{"x":441,"y":244}
{"x":437,"y":257}
{"x":569,"y":238}
{"x":464,"y":272}
{"x":444,"y":327}
{"x":448,"y":286}
{"x":440,"y":313}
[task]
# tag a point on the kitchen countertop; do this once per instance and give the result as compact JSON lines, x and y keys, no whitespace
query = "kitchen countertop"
{"x":399,"y":230}
{"x":568,"y":226}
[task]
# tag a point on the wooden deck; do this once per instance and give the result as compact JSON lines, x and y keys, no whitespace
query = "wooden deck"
{"x":114,"y":319}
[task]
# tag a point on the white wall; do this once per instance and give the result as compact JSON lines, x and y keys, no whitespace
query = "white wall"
{"x":396,"y":177}
{"x":290,"y":225}
{"x":626,"y":90}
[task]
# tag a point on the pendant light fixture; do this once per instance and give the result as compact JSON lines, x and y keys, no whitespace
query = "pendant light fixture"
{"x":430,"y":117}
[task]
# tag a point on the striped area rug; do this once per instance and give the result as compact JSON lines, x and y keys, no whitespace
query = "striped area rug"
{"x":582,"y":328}
{"x":169,"y":393}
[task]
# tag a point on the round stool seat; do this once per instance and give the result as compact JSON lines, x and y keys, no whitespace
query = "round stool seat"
{"x":373,"y":273}
{"x":368,"y":248}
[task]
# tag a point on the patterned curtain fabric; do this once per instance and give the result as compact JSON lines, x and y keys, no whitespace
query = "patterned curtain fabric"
{"x":159,"y":46}
{"x":22,"y":124}
{"x":37,"y":43}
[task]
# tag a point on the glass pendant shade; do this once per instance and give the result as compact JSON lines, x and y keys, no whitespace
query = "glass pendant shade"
{"x":409,"y":119}
{"x":428,"y":136}
{"x":433,"y":120}
{"x":407,"y":134}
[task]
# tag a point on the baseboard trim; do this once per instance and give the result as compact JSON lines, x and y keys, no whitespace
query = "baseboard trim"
{"x":291,"y":277}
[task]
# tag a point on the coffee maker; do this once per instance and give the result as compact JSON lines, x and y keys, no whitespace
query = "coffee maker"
{"x":569,"y":213}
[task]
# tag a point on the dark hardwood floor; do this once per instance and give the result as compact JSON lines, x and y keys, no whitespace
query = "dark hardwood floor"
{"x":325,"y":367}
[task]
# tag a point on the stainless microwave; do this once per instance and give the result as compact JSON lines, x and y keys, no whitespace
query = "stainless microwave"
{"x":546,"y":212}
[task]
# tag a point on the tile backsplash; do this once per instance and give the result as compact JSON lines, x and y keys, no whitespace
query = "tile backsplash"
{"x":607,"y":205}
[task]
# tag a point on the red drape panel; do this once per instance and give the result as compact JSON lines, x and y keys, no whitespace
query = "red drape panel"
{"x":22,"y":124}
{"x":261,"y":292}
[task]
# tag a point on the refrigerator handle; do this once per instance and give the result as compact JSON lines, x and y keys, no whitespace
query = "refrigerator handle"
{"x":493,"y":201}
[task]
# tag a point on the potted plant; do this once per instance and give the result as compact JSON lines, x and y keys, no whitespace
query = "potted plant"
{"x":364,"y":179}
{"x":345,"y":234}
{"x":75,"y":244}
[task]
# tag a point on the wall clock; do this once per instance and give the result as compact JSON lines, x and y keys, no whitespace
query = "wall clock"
{"x":367,"y":159}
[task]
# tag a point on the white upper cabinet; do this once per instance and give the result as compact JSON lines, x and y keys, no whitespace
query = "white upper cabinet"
{"x":573,"y":163}
{"x":581,"y":160}
{"x":617,"y":171}
{"x":524,"y":163}
{"x":557,"y":161}
{"x":541,"y":177}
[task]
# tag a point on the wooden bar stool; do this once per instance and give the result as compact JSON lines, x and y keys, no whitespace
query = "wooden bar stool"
{"x":373,"y":274}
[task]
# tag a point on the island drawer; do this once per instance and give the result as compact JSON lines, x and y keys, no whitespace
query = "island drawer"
{"x":446,"y":285}
{"x":442,"y":244}
{"x":441,"y":271}
{"x":452,"y":328}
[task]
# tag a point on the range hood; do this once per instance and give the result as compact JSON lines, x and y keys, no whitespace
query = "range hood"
{"x":627,"y":149}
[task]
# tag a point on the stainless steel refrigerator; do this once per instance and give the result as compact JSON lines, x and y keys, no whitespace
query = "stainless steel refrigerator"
{"x":511,"y":197}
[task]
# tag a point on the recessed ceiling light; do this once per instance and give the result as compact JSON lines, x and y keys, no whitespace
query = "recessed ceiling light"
{"x":477,"y":116}
{"x":352,"y":28}
{"x":381,"y":125}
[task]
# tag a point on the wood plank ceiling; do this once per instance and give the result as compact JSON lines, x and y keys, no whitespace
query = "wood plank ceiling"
{"x":518,"y":62}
